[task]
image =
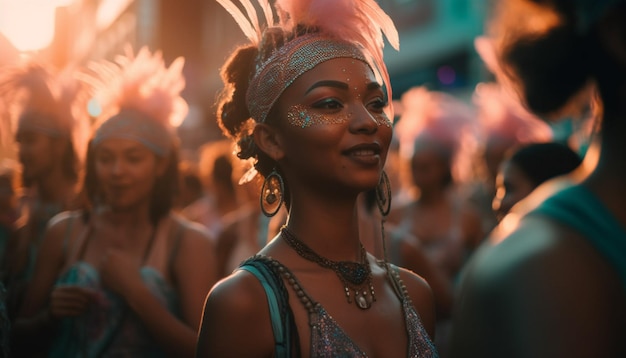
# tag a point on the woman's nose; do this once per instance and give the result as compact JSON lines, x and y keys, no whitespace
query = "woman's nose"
{"x":363,"y":121}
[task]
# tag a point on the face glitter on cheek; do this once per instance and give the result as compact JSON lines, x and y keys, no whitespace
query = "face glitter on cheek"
{"x":299,"y":116}
{"x":382,"y":119}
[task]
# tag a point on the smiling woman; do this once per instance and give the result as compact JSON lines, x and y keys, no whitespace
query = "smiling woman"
{"x":306,"y":104}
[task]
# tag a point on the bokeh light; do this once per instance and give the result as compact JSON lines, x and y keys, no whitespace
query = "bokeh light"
{"x":446,"y":75}
{"x":29,"y":24}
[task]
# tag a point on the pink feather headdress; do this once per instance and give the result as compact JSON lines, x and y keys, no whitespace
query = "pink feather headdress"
{"x":502,"y":117}
{"x":38,"y":98}
{"x":440,"y":121}
{"x":140,"y":98}
{"x":360,"y":23}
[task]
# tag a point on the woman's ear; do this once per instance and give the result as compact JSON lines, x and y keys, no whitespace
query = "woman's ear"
{"x":269,"y":141}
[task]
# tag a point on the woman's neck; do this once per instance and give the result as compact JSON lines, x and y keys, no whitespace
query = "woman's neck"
{"x":55,"y":187}
{"x":330,"y":228}
{"x":134,"y":217}
{"x":432,"y":197}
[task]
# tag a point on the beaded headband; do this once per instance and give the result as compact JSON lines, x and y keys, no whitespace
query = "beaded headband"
{"x":340,"y":29}
{"x":290,"y":62}
{"x":132,"y":124}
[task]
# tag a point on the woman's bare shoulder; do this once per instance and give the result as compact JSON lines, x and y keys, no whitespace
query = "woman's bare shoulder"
{"x":530,"y":281}
{"x":236,"y":308}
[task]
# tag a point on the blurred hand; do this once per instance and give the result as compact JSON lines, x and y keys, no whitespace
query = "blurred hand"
{"x":119,"y":272}
{"x":69,"y":300}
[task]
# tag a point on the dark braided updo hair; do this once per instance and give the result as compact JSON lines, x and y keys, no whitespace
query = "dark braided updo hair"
{"x":233,"y":116}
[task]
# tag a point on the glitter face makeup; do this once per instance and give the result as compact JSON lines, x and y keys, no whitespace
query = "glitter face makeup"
{"x":299,"y":116}
{"x":382,"y":119}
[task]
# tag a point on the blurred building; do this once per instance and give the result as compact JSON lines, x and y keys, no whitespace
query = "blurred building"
{"x":436,"y":44}
{"x":100,"y":29}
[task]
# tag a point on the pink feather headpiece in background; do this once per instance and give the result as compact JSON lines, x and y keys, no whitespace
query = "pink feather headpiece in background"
{"x":36,"y":97}
{"x":140,"y":98}
{"x":438,"y":121}
{"x":502,"y":117}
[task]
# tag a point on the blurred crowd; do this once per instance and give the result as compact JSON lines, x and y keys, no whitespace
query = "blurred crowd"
{"x":455,"y":169}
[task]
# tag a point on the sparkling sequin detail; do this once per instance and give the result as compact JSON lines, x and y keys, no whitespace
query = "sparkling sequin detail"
{"x":328,"y":339}
{"x":290,"y":62}
{"x":299,"y":116}
{"x":382,"y":119}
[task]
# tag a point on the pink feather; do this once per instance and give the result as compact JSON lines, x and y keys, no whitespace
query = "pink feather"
{"x":357,"y":21}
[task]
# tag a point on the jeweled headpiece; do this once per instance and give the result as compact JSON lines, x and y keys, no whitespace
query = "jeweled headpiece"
{"x":339,"y":29}
{"x":140,"y":98}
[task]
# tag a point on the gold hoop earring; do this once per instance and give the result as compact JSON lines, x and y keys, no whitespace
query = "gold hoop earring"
{"x":383,"y":194}
{"x":272,"y":193}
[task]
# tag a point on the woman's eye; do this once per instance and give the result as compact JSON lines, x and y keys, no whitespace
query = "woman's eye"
{"x":378,"y":104}
{"x":135,"y":158}
{"x":104,"y":159}
{"x":329,"y":103}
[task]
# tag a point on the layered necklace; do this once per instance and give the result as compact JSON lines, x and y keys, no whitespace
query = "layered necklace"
{"x":355,"y":276}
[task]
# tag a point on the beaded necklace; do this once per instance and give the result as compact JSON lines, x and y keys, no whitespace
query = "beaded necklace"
{"x":356,"y":277}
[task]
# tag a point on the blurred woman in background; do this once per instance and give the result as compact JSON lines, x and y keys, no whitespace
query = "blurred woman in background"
{"x":125,"y":277}
{"x":555,"y":285}
{"x":47,"y":117}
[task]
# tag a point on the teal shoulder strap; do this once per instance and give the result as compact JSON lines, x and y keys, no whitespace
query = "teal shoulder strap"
{"x":277,"y":304}
{"x":581,"y":210}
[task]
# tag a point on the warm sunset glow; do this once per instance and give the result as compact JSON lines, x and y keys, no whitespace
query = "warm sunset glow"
{"x":29,"y":24}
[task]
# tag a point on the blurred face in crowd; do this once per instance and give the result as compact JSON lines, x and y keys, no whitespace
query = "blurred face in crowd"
{"x":336,"y":132}
{"x":429,"y":168}
{"x":38,"y":153}
{"x":512,"y":185}
{"x":126,"y":172}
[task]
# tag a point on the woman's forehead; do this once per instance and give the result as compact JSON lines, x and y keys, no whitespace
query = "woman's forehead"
{"x":339,"y":69}
{"x":121,"y":145}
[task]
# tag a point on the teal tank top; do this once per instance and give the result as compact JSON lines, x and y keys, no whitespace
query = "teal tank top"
{"x":108,"y":328}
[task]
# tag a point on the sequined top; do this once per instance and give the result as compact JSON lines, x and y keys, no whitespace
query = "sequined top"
{"x":106,"y":329}
{"x":328,"y":339}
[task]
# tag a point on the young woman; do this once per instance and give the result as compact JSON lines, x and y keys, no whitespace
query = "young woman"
{"x":303,"y":101}
{"x":47,"y":116}
{"x":126,"y":277}
{"x":555,"y":286}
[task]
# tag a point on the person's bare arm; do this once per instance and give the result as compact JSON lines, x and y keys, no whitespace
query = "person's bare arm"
{"x":34,"y":318}
{"x":236,"y":320}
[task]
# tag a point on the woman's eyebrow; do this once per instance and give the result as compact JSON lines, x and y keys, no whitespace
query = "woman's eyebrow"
{"x":328,"y":83}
